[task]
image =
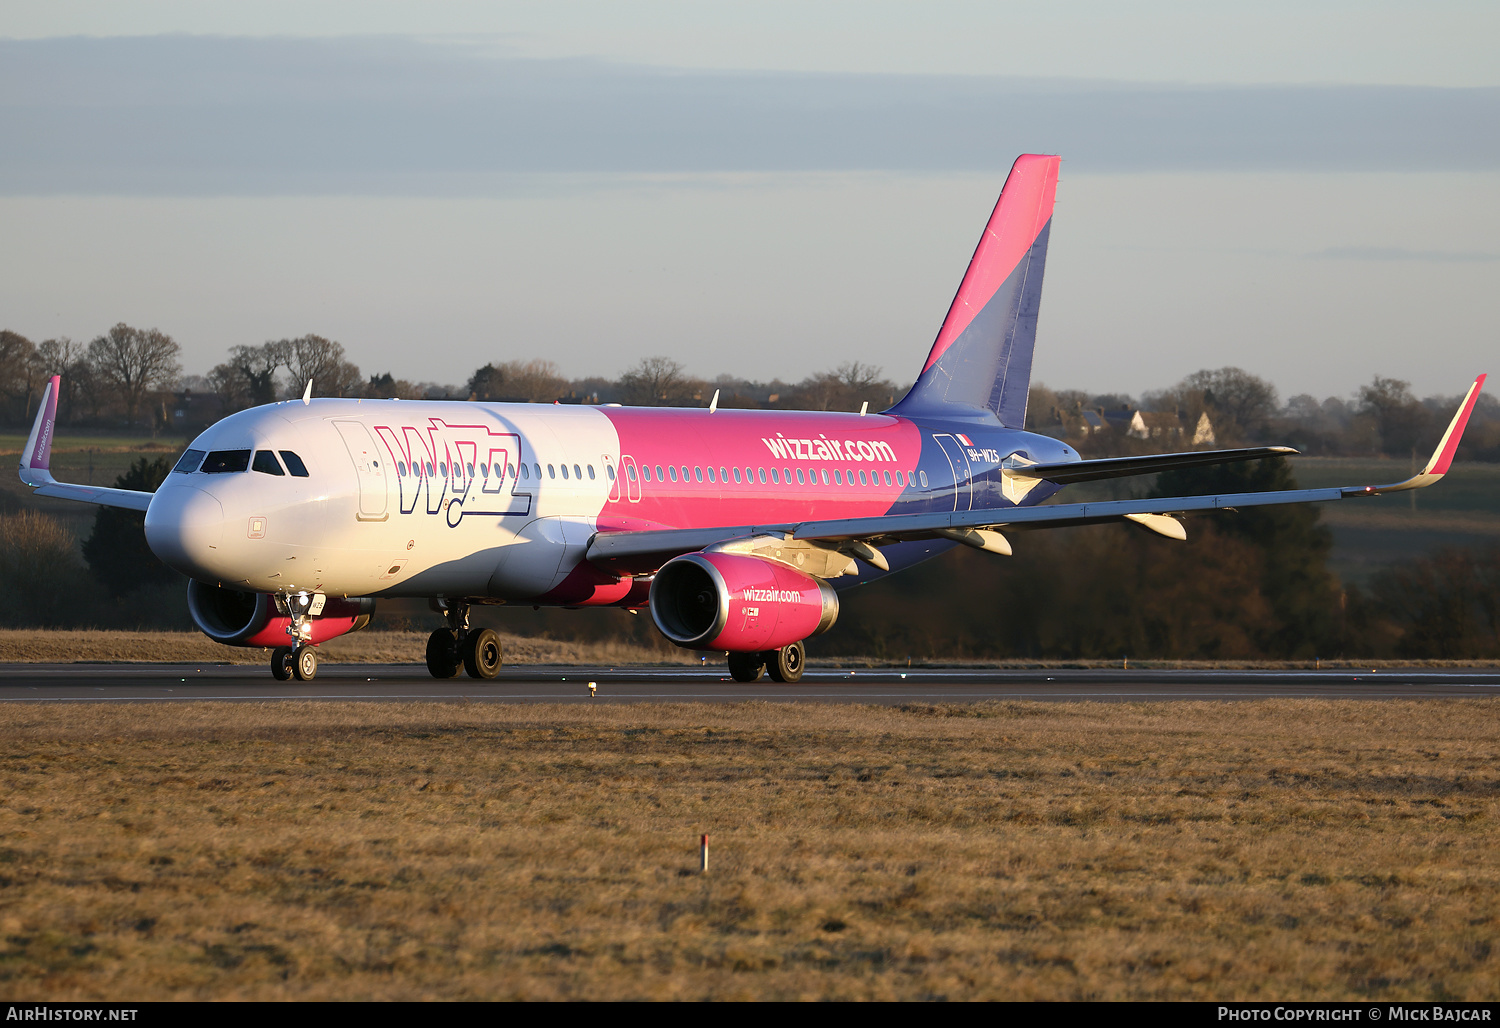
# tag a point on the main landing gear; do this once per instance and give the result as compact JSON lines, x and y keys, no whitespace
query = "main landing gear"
{"x":456,"y":646}
{"x":785,"y":664}
{"x":301,"y":660}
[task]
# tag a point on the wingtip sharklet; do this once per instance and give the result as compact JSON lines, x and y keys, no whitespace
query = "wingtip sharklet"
{"x":1442,"y":457}
{"x":36,"y":459}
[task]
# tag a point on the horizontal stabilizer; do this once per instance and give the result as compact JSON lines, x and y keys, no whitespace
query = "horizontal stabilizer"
{"x":1123,"y":467}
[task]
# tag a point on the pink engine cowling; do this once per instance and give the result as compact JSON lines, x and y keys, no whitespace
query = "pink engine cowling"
{"x":730,"y":601}
{"x":251,"y":619}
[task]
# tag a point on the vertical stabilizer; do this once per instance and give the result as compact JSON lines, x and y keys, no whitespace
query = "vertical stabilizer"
{"x":981,"y":360}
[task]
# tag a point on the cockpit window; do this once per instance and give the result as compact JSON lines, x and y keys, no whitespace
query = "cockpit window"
{"x":265,"y":462}
{"x":294,"y":464}
{"x":189,"y":461}
{"x":226,"y":462}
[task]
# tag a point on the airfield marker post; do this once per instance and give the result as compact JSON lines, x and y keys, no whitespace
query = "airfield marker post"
{"x":703,"y":855}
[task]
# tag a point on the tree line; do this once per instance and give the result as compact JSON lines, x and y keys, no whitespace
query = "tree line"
{"x":132,"y":378}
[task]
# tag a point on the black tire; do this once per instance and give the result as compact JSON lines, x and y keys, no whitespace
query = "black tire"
{"x":746,"y":667}
{"x":281,"y":663}
{"x":786,"y":663}
{"x":305,"y":663}
{"x":443,"y":658}
{"x":482,"y":654}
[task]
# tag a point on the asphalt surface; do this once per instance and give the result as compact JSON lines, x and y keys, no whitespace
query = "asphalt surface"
{"x":166,"y":683}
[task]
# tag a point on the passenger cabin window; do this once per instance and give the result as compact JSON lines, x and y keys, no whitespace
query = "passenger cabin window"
{"x":697,"y":474}
{"x":924,"y":480}
{"x":524,"y":472}
{"x":659,"y":476}
{"x":591,"y":473}
{"x":564,"y":467}
{"x":538,"y":467}
{"x":775,"y":477}
{"x":673,"y":470}
{"x":226,"y":462}
{"x":512,"y":471}
{"x":551,"y":471}
{"x":189,"y":461}
{"x":629,"y":472}
{"x":266,"y":463}
{"x":576,"y":472}
{"x":737,"y":478}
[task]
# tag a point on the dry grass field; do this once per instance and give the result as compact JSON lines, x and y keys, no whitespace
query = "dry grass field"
{"x":370,"y":647}
{"x":1274,"y":850}
{"x":61,"y":646}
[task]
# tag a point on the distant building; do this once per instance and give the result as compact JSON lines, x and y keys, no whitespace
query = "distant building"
{"x":1170,"y":426}
{"x":192,"y":412}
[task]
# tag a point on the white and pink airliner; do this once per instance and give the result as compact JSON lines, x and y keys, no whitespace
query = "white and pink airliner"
{"x":736,"y":528}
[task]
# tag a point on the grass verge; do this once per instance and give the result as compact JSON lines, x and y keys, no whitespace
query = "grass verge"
{"x":1277,"y":849}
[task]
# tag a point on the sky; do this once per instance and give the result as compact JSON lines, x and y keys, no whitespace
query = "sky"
{"x":1308,"y":191}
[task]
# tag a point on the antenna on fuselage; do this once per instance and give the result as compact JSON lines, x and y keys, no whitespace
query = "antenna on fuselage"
{"x":713,"y":404}
{"x":307,"y":393}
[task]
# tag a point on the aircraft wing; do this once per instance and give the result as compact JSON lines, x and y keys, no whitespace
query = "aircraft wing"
{"x":36,"y":463}
{"x":639,"y":551}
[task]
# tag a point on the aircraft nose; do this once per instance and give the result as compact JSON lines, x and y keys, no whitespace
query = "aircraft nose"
{"x":184,"y":528}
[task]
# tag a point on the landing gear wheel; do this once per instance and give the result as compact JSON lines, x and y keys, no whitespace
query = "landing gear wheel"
{"x":305,"y":663}
{"x":481,"y":654}
{"x":746,"y":667}
{"x":443,"y":658}
{"x":281,"y":663}
{"x":786,"y":663}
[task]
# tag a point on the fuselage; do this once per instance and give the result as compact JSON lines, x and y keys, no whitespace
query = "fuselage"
{"x":433,"y":498}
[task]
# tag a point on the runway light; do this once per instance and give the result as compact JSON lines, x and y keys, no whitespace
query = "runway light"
{"x":593,"y":687}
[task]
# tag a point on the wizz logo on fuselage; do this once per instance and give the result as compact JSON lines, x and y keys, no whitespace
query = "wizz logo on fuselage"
{"x":455,"y":469}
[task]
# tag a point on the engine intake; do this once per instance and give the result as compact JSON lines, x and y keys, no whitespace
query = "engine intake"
{"x":728,"y":601}
{"x":251,"y":619}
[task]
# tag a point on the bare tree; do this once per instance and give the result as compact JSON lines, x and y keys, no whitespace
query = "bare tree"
{"x":19,"y":371}
{"x":248,"y":377}
{"x":536,"y":381}
{"x":134,"y":362}
{"x":656,"y":382}
{"x":846,"y":387}
{"x":321,"y":360}
{"x":66,"y":359}
{"x":1399,"y":418}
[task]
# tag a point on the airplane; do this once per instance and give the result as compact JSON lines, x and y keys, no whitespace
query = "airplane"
{"x":736,"y":529}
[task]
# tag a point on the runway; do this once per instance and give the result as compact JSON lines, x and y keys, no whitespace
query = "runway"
{"x":171,"y":683}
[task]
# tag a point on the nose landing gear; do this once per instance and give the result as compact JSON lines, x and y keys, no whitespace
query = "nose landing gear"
{"x":299,"y":661}
{"x":479,"y":652}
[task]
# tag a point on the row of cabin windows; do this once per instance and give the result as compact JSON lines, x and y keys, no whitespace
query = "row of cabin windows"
{"x":228,"y":462}
{"x":696,"y":474}
{"x":810,"y":476}
{"x":421,"y":469}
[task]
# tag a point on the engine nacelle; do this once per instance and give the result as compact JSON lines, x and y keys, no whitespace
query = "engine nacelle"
{"x":251,"y":619}
{"x":730,"y":601}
